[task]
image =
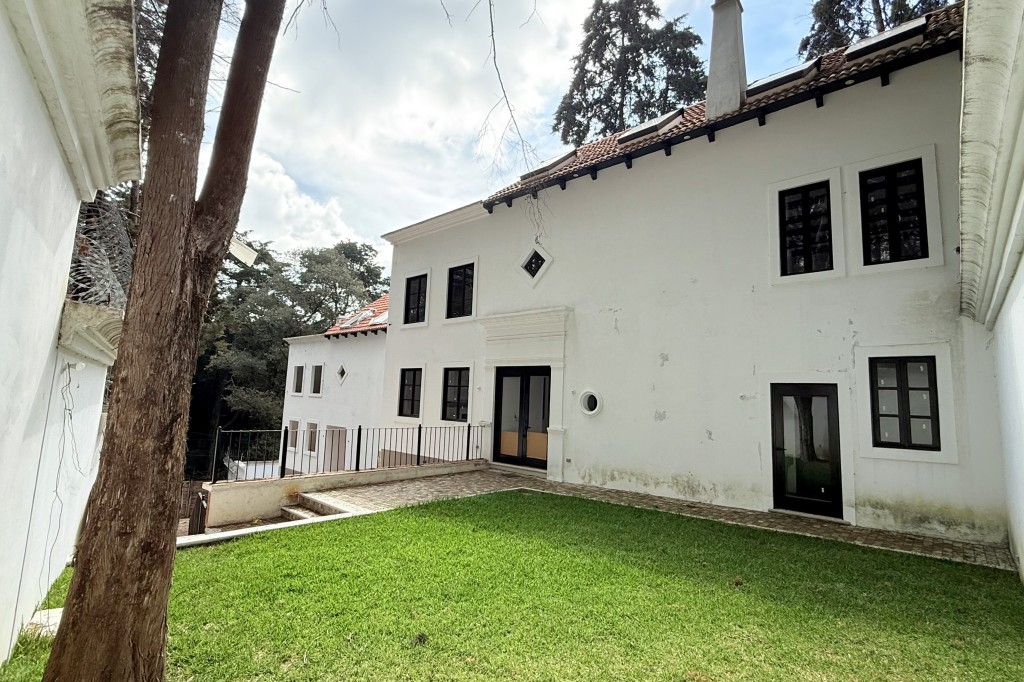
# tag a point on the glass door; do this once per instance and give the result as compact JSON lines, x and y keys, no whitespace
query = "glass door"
{"x":521,"y":414}
{"x":805,"y":446}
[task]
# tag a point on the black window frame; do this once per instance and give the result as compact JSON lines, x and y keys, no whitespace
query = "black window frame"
{"x":531,"y":266}
{"x":903,"y":390}
{"x":806,"y":231}
{"x":891,"y":172}
{"x":460,"y":407}
{"x":299,"y":377}
{"x":415,"y":310}
{"x":460,"y":293}
{"x":413,"y":378}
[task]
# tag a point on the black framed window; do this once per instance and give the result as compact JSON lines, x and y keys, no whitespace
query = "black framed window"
{"x":893,"y":221}
{"x":415,"y":299}
{"x":805,"y":229}
{"x":460,"y":291}
{"x":534,"y":263}
{"x":297,"y":378}
{"x":317,"y":381}
{"x":409,"y":393}
{"x":455,"y":401}
{"x":904,"y":403}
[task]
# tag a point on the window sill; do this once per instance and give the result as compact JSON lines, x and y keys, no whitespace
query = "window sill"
{"x":784,"y":280}
{"x":459,"y":320}
{"x":408,"y":420}
{"x":944,"y":456}
{"x":412,"y":325}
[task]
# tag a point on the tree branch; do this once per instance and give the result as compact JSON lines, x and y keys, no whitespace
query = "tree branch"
{"x":220,"y":201}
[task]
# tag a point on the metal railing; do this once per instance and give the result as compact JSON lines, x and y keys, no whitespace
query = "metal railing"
{"x":259,"y":454}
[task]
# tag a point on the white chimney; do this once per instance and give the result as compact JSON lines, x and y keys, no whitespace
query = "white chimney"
{"x":727,"y":74}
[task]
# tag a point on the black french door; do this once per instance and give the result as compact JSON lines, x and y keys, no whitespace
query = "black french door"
{"x":522,"y":401}
{"x":805,"y":449}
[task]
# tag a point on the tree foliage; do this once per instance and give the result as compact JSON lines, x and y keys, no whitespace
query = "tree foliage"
{"x":838,"y":23}
{"x":632,"y":66}
{"x":242,"y":365}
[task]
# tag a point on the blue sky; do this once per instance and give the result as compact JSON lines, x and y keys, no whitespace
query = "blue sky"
{"x":386,"y":123}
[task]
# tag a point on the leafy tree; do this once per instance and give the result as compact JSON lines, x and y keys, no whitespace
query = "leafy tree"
{"x":837,"y":23}
{"x":632,"y":66}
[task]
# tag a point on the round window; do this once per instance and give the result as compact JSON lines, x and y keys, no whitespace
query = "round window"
{"x":590,"y":402}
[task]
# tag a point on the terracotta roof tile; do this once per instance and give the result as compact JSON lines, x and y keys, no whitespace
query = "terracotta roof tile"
{"x":374,"y":309}
{"x":943,"y":26}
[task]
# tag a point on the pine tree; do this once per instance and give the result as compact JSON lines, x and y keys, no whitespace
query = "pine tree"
{"x":632,"y":66}
{"x":837,"y":23}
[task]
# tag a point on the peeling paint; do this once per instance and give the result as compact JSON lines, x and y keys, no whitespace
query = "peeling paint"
{"x":660,"y":415}
{"x":709,"y":434}
{"x":662,"y":359}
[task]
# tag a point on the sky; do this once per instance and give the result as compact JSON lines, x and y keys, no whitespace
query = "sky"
{"x":390,"y":117}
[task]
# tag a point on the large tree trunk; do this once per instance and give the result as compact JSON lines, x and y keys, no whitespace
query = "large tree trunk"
{"x":115,"y":620}
{"x":879,"y":16}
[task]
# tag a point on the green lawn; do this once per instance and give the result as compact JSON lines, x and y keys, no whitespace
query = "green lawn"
{"x":526,"y":586}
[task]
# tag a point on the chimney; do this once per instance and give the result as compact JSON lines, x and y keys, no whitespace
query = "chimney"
{"x":727,"y":74}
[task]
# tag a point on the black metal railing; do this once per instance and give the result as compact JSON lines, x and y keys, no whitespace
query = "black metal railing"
{"x":258,"y":454}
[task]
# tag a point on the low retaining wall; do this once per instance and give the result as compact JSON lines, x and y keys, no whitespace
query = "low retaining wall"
{"x":242,"y":501}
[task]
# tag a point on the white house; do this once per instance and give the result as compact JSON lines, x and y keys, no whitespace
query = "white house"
{"x":753,"y":301}
{"x":67,"y":73}
{"x":334,"y":385}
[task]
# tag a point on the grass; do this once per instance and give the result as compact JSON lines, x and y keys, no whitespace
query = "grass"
{"x":526,"y":586}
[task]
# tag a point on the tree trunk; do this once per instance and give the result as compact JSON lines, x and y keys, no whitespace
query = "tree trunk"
{"x":115,"y":620}
{"x":805,"y":428}
{"x":876,"y":8}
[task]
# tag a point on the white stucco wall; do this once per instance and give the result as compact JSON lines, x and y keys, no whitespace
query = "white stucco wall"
{"x":37,"y":227}
{"x":675,"y":318}
{"x":1010,"y":372}
{"x":343,"y":404}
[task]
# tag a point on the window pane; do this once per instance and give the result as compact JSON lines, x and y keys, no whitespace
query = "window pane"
{"x":805,"y":229}
{"x":921,"y":432}
{"x":889,"y":429}
{"x":886,"y":374}
{"x":888,"y":401}
{"x":917,"y":374}
{"x":893,"y":213}
{"x":920,"y":403}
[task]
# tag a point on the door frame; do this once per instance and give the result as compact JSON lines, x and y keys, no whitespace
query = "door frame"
{"x":523,"y":372}
{"x":781,"y":500}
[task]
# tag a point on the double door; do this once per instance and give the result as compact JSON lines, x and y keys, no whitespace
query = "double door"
{"x":522,"y":404}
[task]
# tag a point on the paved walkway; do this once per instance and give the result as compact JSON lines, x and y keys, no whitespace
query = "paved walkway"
{"x":383,"y":496}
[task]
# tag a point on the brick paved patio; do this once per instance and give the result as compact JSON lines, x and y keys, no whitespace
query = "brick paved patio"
{"x":383,"y":496}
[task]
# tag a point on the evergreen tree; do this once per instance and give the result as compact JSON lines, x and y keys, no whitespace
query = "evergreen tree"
{"x":837,"y":23}
{"x":632,"y":66}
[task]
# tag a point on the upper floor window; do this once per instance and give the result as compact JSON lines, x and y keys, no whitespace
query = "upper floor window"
{"x":409,"y":392}
{"x":904,"y":403}
{"x":317,"y":380}
{"x":415,"y":299}
{"x":805,"y":229}
{"x":297,"y":378}
{"x":455,"y":403}
{"x":893,"y":217}
{"x":460,"y":291}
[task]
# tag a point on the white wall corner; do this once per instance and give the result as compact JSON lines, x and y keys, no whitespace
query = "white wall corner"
{"x":727,"y":72}
{"x":81,"y":53}
{"x":90,"y":331}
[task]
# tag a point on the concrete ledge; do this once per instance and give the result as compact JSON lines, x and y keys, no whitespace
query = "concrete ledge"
{"x":241,"y":501}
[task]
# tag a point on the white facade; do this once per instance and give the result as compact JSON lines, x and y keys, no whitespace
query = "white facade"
{"x":69,"y":132}
{"x":660,"y":295}
{"x":992,"y":217}
{"x":322,"y":422}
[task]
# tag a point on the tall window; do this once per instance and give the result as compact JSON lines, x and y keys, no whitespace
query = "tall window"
{"x":293,"y":433}
{"x":409,"y":392}
{"x":297,"y":378}
{"x":892,"y":213}
{"x":317,"y":380}
{"x":805,"y":229}
{"x":904,"y":403}
{"x":312,"y":436}
{"x":416,"y":299}
{"x":456,"y":395}
{"x":460,"y":291}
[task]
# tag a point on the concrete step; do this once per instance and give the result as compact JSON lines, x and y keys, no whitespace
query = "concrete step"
{"x":297,"y":513}
{"x":324,"y":505}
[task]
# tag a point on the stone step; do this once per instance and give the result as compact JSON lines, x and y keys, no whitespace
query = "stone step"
{"x":297,"y":513}
{"x":323,"y":505}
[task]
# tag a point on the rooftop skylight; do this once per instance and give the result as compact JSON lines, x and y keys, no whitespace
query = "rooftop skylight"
{"x":902,"y":33}
{"x":549,"y":165}
{"x":787,"y":77}
{"x":650,"y":127}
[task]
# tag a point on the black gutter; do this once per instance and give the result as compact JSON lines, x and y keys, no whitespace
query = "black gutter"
{"x":816,"y":94}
